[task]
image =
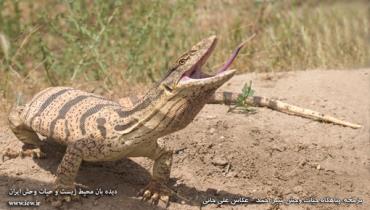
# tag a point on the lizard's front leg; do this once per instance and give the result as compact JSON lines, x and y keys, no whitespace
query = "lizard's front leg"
{"x":32,"y":143}
{"x":67,"y":172}
{"x":157,"y":188}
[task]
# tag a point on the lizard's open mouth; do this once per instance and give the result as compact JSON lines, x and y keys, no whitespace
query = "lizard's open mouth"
{"x":195,"y":74}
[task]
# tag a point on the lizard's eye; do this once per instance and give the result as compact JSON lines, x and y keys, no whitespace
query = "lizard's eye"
{"x":182,"y":61}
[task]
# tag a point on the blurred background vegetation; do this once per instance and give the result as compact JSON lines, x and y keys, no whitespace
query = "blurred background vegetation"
{"x":114,"y":47}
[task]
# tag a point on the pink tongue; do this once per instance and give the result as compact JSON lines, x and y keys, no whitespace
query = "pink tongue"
{"x":232,"y":58}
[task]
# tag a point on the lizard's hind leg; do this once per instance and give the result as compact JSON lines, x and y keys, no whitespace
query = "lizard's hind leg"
{"x":25,"y":134}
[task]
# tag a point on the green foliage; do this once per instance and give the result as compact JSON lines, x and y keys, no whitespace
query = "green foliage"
{"x":151,"y":34}
{"x":65,"y":42}
{"x":247,"y":91}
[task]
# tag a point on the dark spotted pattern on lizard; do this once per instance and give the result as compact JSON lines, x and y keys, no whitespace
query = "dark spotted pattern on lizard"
{"x":97,"y":129}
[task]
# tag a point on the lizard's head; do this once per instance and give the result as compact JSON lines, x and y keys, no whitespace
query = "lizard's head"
{"x":186,"y":74}
{"x":177,"y":99}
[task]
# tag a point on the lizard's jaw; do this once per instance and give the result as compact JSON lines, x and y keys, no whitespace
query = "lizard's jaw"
{"x":195,"y":75}
{"x":200,"y":79}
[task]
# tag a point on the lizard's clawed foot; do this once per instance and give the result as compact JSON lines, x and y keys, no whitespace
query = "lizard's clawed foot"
{"x":57,"y":201}
{"x":63,"y":195}
{"x":154,"y":192}
{"x":28,"y":152}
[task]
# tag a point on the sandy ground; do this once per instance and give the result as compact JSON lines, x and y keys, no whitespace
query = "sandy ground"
{"x":225,"y":154}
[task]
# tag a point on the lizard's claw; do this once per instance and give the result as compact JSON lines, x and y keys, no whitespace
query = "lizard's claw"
{"x":57,"y":200}
{"x":34,"y":153}
{"x":154,"y":192}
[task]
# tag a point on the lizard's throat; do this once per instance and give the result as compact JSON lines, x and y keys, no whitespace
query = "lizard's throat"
{"x":171,"y":116}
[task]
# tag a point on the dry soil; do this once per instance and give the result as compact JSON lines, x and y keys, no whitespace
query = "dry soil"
{"x":229,"y":154}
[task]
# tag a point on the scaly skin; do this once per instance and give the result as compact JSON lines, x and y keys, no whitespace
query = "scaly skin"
{"x":96,"y":129}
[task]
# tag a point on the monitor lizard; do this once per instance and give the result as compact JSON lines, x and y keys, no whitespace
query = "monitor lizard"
{"x":97,"y":129}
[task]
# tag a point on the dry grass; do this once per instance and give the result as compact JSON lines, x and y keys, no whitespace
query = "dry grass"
{"x":120,"y":45}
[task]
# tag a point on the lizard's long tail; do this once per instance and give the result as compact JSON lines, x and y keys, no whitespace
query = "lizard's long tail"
{"x":259,"y":101}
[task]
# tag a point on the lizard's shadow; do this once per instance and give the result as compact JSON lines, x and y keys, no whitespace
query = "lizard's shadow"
{"x":127,"y":176}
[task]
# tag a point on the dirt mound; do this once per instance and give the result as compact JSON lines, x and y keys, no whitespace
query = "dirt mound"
{"x":223,"y":154}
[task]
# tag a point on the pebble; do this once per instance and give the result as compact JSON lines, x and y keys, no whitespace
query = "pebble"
{"x":212,"y":130}
{"x":219,"y":161}
{"x":298,"y":189}
{"x":279,"y":148}
{"x":231,"y":174}
{"x":210,"y":117}
{"x":318,"y":167}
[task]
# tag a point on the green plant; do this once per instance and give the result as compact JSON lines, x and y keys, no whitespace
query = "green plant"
{"x":117,"y":44}
{"x":246,"y":92}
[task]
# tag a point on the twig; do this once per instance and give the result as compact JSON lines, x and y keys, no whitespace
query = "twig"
{"x":25,"y":41}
